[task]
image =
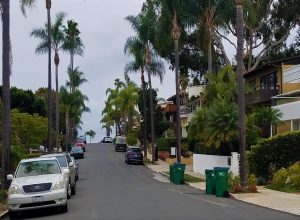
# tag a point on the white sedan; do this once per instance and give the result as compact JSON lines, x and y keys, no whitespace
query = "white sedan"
{"x":37,"y":183}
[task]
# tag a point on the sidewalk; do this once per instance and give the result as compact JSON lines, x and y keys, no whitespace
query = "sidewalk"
{"x":281,"y":201}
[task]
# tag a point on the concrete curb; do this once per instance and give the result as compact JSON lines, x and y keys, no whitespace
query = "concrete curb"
{"x":3,"y":214}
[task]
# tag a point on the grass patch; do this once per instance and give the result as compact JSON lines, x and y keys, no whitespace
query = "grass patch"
{"x":286,"y":188}
{"x":190,"y":179}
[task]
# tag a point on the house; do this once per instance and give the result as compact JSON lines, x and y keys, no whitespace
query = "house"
{"x":266,"y":81}
{"x":288,"y":101}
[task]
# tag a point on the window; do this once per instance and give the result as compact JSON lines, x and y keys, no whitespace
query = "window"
{"x":269,"y":81}
{"x":296,"y":125}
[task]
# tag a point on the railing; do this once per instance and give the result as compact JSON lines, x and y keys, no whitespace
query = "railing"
{"x":262,"y":94}
{"x":190,"y":107}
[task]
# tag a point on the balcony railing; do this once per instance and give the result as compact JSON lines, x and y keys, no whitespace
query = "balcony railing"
{"x":262,"y":94}
{"x":190,"y":107}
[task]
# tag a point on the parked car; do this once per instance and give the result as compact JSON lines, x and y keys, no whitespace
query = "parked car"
{"x":120,"y":143}
{"x":66,"y":163}
{"x":107,"y":140}
{"x":80,"y":143}
{"x":37,"y":183}
{"x":77,"y":152}
{"x":134,"y":154}
{"x":76,"y":165}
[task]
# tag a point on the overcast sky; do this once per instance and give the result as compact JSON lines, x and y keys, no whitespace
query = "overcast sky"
{"x":103,"y":32}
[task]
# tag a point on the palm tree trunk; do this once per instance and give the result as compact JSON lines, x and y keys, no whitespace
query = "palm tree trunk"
{"x":151,"y":117}
{"x":56,"y":61}
{"x":67,"y":130}
{"x":178,"y":125}
{"x":209,"y":55}
{"x":145,"y":114}
{"x":241,"y":93}
{"x":6,"y":71}
{"x":48,"y":6}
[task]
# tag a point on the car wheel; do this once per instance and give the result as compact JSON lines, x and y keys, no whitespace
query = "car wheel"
{"x":69,"y":191}
{"x":73,"y":189}
{"x":14,"y":215}
{"x":64,"y":208}
{"x":76,"y":177}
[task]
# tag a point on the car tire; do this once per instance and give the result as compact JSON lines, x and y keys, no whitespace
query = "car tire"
{"x":64,"y":208}
{"x":76,"y":177}
{"x":73,"y":189}
{"x":13,"y":215}
{"x":69,"y":191}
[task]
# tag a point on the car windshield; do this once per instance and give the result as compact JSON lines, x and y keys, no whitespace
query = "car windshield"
{"x":76,"y":149}
{"x":137,"y":150}
{"x":36,"y":168}
{"x":62,"y":161}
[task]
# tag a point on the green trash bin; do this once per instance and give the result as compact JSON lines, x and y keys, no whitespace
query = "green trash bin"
{"x":171,"y":172}
{"x":178,"y":173}
{"x":210,"y":182}
{"x":221,"y":174}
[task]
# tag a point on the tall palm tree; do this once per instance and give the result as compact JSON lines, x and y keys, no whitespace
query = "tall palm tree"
{"x":28,"y":4}
{"x":241,"y":91}
{"x":75,"y":79}
{"x":57,"y":37}
{"x":73,"y":43}
{"x":6,"y":71}
{"x":170,"y":13}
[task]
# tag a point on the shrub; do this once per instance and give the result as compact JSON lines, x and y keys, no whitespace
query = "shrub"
{"x":200,"y":148}
{"x":165,"y":144}
{"x":294,"y":174}
{"x":131,"y":138}
{"x":280,"y":178}
{"x":273,"y":153}
{"x":234,"y":182}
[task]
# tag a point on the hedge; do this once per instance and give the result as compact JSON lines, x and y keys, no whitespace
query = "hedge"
{"x":271,"y":154}
{"x":165,"y":144}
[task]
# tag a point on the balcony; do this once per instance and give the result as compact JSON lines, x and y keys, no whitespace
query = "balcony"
{"x":262,"y":94}
{"x":189,"y":108}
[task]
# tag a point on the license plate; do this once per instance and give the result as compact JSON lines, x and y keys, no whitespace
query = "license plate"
{"x":135,"y":155}
{"x":37,"y":199}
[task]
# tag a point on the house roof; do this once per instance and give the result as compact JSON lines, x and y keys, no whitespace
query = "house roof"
{"x":291,"y":60}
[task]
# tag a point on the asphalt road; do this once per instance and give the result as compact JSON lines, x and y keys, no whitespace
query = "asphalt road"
{"x":109,"y":189}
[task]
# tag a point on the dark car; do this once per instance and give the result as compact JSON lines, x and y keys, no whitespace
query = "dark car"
{"x":77,"y":153}
{"x":120,"y":144}
{"x":134,"y":155}
{"x":80,"y":143}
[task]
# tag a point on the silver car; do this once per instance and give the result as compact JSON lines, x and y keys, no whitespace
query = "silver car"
{"x":66,"y":163}
{"x":37,"y":183}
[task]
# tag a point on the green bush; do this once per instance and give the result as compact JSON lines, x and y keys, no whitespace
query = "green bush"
{"x":294,"y":175}
{"x":280,"y":178}
{"x":165,"y":144}
{"x":200,"y":148}
{"x":274,"y":153}
{"x":131,"y":138}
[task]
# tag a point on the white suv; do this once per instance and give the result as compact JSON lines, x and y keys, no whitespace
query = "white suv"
{"x":66,"y":163}
{"x":37,"y":183}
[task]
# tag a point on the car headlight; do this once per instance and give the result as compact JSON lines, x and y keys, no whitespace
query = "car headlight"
{"x":14,"y":189}
{"x":59,"y":185}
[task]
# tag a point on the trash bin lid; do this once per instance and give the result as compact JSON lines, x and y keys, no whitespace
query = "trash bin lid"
{"x":221,"y":168}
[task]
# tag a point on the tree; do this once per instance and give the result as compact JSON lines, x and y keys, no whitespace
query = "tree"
{"x":73,"y":43}
{"x":91,"y":134}
{"x":57,"y":38}
{"x":6,"y":72}
{"x":241,"y":91}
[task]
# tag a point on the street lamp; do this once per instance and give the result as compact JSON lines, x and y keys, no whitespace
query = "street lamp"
{"x":176,"y":35}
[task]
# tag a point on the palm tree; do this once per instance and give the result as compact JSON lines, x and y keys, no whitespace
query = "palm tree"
{"x":75,"y":79}
{"x":107,"y":122}
{"x":169,"y":14}
{"x":91,"y":134}
{"x":28,"y":4}
{"x":73,"y":43}
{"x":57,"y":42}
{"x":6,"y":72}
{"x":241,"y":91}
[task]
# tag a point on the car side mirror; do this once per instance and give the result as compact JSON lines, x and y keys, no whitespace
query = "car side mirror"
{"x":66,"y":171}
{"x":71,"y":164}
{"x":9,"y":177}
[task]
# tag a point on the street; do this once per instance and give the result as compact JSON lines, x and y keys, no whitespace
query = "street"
{"x":110,"y":189}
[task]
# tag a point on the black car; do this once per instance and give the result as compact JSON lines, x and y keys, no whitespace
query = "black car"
{"x":77,"y":152}
{"x":134,"y":155}
{"x":120,"y":144}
